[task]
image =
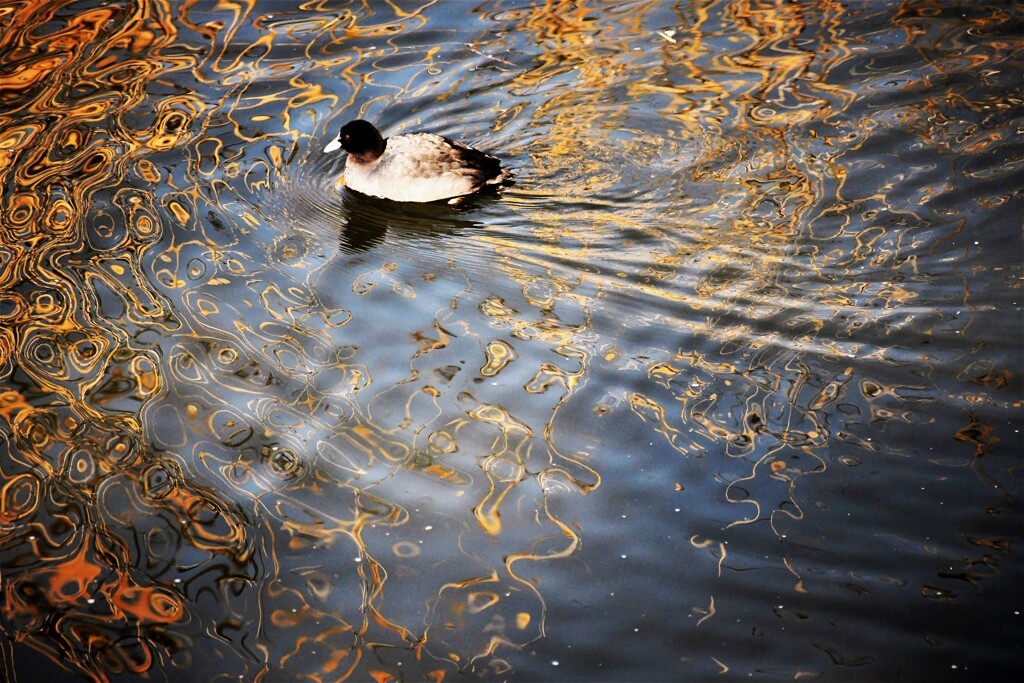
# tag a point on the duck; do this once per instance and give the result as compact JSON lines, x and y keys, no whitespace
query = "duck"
{"x":414,"y":167}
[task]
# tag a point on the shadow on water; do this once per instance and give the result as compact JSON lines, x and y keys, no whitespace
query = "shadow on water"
{"x":368,"y":221}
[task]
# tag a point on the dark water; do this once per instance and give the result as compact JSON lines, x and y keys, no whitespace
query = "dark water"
{"x":727,"y":386}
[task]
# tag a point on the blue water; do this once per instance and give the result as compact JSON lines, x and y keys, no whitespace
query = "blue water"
{"x":727,"y":385}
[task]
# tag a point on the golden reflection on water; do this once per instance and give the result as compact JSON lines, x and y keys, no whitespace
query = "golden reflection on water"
{"x":186,"y":427}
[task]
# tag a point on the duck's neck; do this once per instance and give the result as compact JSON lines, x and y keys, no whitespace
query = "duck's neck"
{"x":371,"y":155}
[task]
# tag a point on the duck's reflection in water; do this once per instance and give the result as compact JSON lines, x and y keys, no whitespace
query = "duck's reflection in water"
{"x":368,"y":221}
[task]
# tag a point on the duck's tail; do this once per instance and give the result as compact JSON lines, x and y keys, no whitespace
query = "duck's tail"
{"x":504,"y":177}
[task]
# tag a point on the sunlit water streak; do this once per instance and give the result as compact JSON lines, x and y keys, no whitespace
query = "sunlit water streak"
{"x":727,"y":383}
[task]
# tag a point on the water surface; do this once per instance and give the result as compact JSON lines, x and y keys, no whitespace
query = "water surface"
{"x":729,"y":382}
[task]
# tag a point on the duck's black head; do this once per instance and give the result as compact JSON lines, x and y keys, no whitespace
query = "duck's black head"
{"x":360,"y":139}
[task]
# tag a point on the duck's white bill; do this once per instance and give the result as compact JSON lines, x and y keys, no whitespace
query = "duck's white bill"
{"x":334,"y":144}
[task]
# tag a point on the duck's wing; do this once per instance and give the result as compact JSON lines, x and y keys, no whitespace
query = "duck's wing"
{"x":428,"y":155}
{"x":483,"y":167}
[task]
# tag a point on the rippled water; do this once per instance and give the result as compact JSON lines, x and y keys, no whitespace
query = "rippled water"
{"x":729,"y":382}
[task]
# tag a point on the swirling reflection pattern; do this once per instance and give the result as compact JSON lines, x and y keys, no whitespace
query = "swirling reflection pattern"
{"x":243,"y":439}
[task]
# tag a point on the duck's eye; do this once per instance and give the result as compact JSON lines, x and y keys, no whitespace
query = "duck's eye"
{"x":348,"y":137}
